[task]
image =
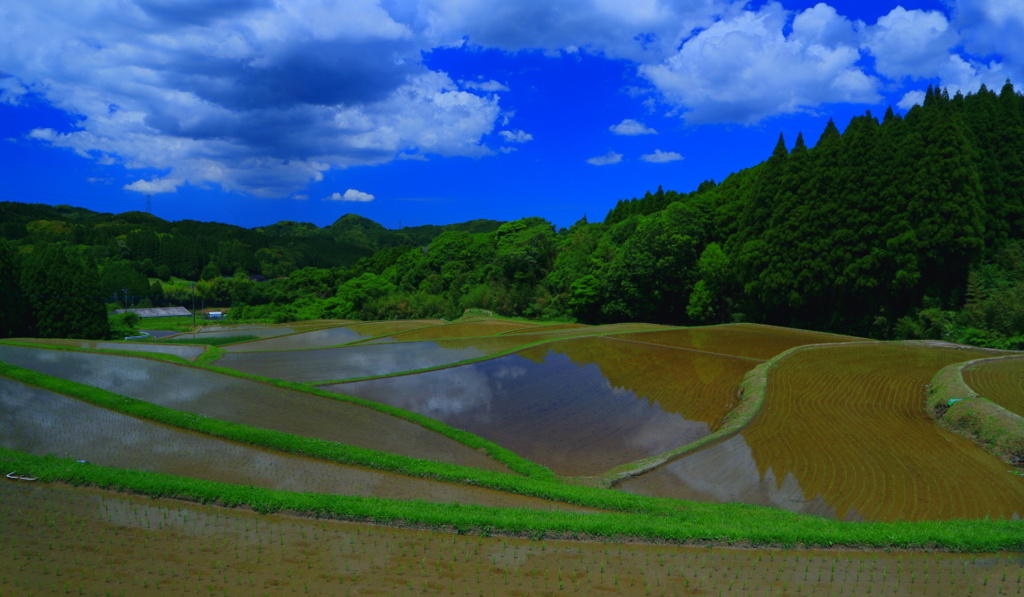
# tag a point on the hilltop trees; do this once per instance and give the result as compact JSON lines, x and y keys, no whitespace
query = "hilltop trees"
{"x":905,"y":226}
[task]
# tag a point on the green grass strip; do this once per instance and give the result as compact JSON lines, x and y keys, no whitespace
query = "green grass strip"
{"x":728,"y":523}
{"x":753,"y":390}
{"x":330,"y":451}
{"x":212,"y":341}
{"x":960,"y":409}
{"x":156,"y":356}
{"x":513,"y":461}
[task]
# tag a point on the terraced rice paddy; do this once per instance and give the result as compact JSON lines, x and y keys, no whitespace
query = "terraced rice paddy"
{"x":228,"y":331}
{"x":42,"y":422}
{"x":319,"y":338}
{"x":1000,"y":380}
{"x":742,"y":339}
{"x":580,"y":407}
{"x":460,"y":330}
{"x":249,"y":403}
{"x":366,"y":360}
{"x":843,"y":432}
{"x":184,"y":351}
{"x":61,"y":540}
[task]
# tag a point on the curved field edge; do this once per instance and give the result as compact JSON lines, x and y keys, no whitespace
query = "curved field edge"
{"x":316,"y":448}
{"x":494,"y":355}
{"x":752,"y":391}
{"x":959,"y":408}
{"x":513,"y":461}
{"x":700,"y":524}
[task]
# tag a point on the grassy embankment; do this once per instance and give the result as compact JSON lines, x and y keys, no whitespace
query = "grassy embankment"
{"x":632,"y":516}
{"x":752,"y":391}
{"x":514,"y":461}
{"x":961,"y":409}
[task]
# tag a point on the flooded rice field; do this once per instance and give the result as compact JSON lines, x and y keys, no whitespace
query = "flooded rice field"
{"x":739,"y":339}
{"x":363,"y":360}
{"x":580,"y":407}
{"x":63,"y":540}
{"x":241,"y":330}
{"x":42,"y":422}
{"x":248,"y":402}
{"x":367,"y":360}
{"x":1000,"y":380}
{"x":461,"y":330}
{"x":319,"y":338}
{"x":190,"y":353}
{"x":844,"y":433}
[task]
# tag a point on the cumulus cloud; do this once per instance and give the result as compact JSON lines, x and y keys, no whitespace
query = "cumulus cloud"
{"x":630,"y":127}
{"x":155,"y":186}
{"x":745,"y":68}
{"x":248,"y":95}
{"x":489,"y":86}
{"x":516,"y":136}
{"x":910,"y":43}
{"x":351,"y":195}
{"x":605,"y":160}
{"x":11,"y":91}
{"x":992,"y":27}
{"x":637,"y":30}
{"x":917,"y":44}
{"x":661,"y":157}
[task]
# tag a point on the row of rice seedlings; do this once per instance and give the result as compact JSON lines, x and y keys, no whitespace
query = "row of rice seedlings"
{"x":651,"y":519}
{"x":999,"y":380}
{"x":846,"y":422}
{"x":58,"y":539}
{"x":742,"y":339}
{"x":461,"y":330}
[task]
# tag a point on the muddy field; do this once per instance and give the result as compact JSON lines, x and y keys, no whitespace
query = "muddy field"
{"x":59,"y":540}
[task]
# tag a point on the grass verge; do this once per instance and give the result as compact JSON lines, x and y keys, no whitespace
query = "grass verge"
{"x":687,"y":523}
{"x":959,"y":408}
{"x":752,"y":392}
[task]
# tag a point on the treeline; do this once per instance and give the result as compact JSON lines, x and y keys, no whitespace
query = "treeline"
{"x":899,"y":227}
{"x":60,"y":265}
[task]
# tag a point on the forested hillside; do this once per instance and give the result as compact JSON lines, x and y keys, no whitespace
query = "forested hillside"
{"x":908,"y":226}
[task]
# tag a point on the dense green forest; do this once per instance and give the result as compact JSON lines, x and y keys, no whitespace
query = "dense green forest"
{"x":905,"y":227}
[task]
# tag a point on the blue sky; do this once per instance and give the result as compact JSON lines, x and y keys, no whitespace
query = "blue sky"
{"x":438,"y":111}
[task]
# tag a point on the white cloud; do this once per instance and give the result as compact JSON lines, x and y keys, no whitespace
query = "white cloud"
{"x":249,"y":95}
{"x":516,"y":136}
{"x":911,"y":99}
{"x":605,"y":160}
{"x":11,"y":91}
{"x":637,"y":30}
{"x":632,"y":127}
{"x":300,"y":197}
{"x":351,"y":195}
{"x":661,"y":157}
{"x":822,"y":25}
{"x":489,"y":86}
{"x":744,"y":68}
{"x":916,"y":44}
{"x":993,"y":28}
{"x":155,"y":186}
{"x":910,"y":43}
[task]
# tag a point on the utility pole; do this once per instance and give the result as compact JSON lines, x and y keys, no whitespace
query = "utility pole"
{"x":125,"y":291}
